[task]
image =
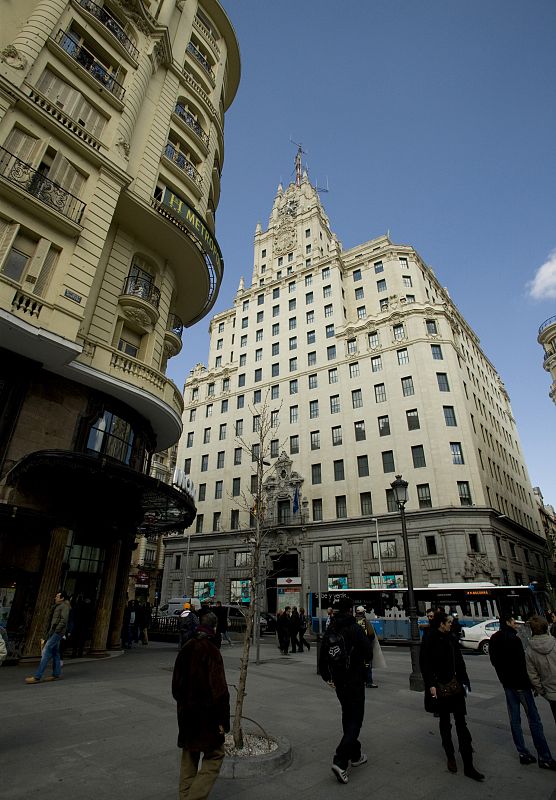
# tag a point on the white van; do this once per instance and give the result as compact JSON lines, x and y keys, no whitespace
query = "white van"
{"x":174,"y":606}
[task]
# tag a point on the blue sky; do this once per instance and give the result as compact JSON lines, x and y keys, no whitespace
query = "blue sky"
{"x":434,"y":120}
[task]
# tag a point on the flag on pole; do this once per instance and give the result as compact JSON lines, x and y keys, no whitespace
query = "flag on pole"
{"x":296,"y":500}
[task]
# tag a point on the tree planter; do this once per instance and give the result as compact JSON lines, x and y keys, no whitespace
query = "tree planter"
{"x":266,"y":763}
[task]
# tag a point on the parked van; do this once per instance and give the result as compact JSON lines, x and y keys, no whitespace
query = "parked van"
{"x":174,"y":606}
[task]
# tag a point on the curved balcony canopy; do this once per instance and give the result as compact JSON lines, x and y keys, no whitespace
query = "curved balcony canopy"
{"x":547,"y":324}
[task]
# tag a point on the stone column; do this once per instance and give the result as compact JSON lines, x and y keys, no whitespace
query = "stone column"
{"x":134,"y":98}
{"x":22,"y":52}
{"x":49,"y":586}
{"x":120,"y":599}
{"x":104,"y":608}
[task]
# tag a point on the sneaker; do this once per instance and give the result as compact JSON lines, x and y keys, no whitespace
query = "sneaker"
{"x":526,"y":758}
{"x":360,"y":761}
{"x":341,"y":774}
{"x":551,"y":764}
{"x":54,"y":678}
{"x":32,"y":679}
{"x":373,"y":685}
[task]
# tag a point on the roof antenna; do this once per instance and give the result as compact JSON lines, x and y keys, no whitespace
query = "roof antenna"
{"x":298,"y":169}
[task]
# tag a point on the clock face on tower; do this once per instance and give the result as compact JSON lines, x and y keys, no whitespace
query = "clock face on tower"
{"x":291,"y":208}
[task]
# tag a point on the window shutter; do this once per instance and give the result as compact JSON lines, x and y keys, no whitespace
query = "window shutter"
{"x":46,"y":271}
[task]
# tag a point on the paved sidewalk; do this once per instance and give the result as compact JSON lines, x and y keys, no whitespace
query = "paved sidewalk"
{"x":107,"y":731}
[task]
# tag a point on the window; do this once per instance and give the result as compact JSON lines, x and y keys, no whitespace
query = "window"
{"x":308,"y":298}
{"x":315,"y":440}
{"x":403,"y":262}
{"x":237,"y":456}
{"x":210,"y":390}
{"x":293,"y":364}
{"x":327,"y":291}
{"x":381,"y":285}
{"x":208,"y":410}
{"x":363,"y":466}
{"x":430,"y":544}
{"x":307,"y":251}
{"x":275,"y":311}
{"x":218,"y":490}
{"x":373,"y":339}
{"x":331,"y":352}
{"x":216,"y":521}
{"x":243,"y":341}
{"x":329,"y":331}
{"x":259,"y":335}
{"x":384,"y":426}
{"x":190,"y":439}
{"x":294,"y":414}
{"x":187,"y":466}
{"x":259,"y":354}
{"x":333,"y":375}
{"x":312,"y":358}
{"x":410,"y":298}
{"x":310,"y":317}
{"x":258,"y":375}
{"x":275,"y":293}
{"x":275,"y":370}
{"x":388,"y":548}
{"x":308,"y":278}
{"x":294,"y":444}
{"x":436,"y":351}
{"x":222,"y":432}
{"x":449,"y":416}
{"x":256,"y":423}
{"x":274,"y":419}
{"x":260,"y":316}
{"x":354,"y":370}
{"x":379,"y":267}
{"x":335,"y":404}
{"x":255,"y":454}
{"x":292,"y":304}
{"x":388,"y":461}
{"x":328,"y":310}
{"x":432,"y":329}
{"x":331,"y":552}
{"x":192,"y":415}
{"x":357,"y":398}
{"x":204,"y":463}
{"x":442,"y":379}
{"x":376,"y":363}
{"x":359,"y":428}
{"x":219,"y":344}
{"x":224,"y":406}
{"x":398,"y":331}
{"x":457,"y":453}
{"x":199,"y":523}
{"x":337,"y":436}
{"x":202,"y":492}
{"x":276,"y":348}
{"x":341,"y":507}
{"x":464,"y":493}
{"x":291,"y":285}
{"x":294,"y":386}
{"x":239,"y":427}
{"x":356,"y":274}
{"x":418,"y":456}
{"x":403,"y":356}
{"x":292,"y":344}
{"x":366,"y":503}
{"x":220,"y":460}
{"x":352,"y":346}
{"x":406,"y":281}
{"x":245,"y":322}
{"x":361,"y":312}
{"x":412,"y":416}
{"x":380,"y":393}
{"x":275,"y":392}
{"x":339,"y":474}
{"x":317,"y":510}
{"x":407,"y":386}
{"x":234,"y":519}
{"x":260,"y":299}
{"x":325,"y":273}
{"x":292,"y":323}
{"x":257,"y":397}
{"x":391,"y":500}
{"x":316,"y":474}
{"x":241,"y":379}
{"x":194,"y":395}
{"x":274,"y":448}
{"x":276,"y":329}
{"x":475,"y":547}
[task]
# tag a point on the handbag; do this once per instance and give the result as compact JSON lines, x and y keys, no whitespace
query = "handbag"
{"x":450,"y":689}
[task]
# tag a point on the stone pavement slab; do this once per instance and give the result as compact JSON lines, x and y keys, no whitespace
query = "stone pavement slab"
{"x":107,"y":731}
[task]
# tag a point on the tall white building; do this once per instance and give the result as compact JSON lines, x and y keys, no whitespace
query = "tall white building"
{"x":368,"y":371}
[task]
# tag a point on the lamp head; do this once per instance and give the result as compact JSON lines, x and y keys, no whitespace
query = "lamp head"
{"x":399,"y":487}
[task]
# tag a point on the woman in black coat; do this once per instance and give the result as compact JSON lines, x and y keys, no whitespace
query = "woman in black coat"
{"x":443,"y":666}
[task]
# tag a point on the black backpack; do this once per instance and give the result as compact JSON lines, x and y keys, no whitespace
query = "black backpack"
{"x":338,"y":655}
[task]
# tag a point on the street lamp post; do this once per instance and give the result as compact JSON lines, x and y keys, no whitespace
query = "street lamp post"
{"x":399,"y":487}
{"x":375,"y":520}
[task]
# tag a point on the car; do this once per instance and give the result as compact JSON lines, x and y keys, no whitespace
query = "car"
{"x":476,"y":637}
{"x":270,"y":621}
{"x":237,"y":619}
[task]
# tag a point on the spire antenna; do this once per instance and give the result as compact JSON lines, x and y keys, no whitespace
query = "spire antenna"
{"x":298,"y":167}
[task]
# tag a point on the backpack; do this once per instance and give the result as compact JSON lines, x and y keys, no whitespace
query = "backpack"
{"x":186,"y":626}
{"x":338,"y":655}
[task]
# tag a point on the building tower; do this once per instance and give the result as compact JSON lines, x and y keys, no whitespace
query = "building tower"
{"x":111,"y":132}
{"x":547,"y":338}
{"x":368,"y":369}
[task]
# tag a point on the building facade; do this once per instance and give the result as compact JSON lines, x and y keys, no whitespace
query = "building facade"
{"x":547,"y":338}
{"x":367,"y":370}
{"x":111,"y":149}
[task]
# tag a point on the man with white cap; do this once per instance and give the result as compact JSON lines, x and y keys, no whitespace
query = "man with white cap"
{"x":187,"y":623}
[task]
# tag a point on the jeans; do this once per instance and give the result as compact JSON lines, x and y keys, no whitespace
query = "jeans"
{"x":352,"y":700}
{"x":51,"y":650}
{"x":524,"y":697}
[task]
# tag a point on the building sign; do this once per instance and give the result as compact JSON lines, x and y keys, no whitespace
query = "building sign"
{"x":183,"y":483}
{"x":204,"y":590}
{"x":196,"y":227}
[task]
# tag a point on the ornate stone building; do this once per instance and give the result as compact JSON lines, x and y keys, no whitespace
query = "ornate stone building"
{"x":368,"y":370}
{"x":111,"y":150}
{"x":547,"y":338}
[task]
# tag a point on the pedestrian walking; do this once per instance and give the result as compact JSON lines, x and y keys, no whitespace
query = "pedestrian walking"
{"x":447,"y":682}
{"x":456,"y":627}
{"x":508,"y":659}
{"x":329,"y":615}
{"x":303,"y":623}
{"x":3,"y":645}
{"x":540,"y":659}
{"x":203,"y":706}
{"x":344,"y":651}
{"x":283,"y":630}
{"x":51,"y":649}
{"x":294,"y":628}
{"x":187,"y":623}
{"x":369,"y":632}
{"x":221,"y":613}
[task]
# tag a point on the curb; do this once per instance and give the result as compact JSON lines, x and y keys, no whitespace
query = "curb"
{"x":254,"y":766}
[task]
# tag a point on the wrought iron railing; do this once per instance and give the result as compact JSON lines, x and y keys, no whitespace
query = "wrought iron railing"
{"x":178,"y":158}
{"x":196,"y":53}
{"x":143,"y":288}
{"x":547,"y":323}
{"x":21,"y":174}
{"x":190,"y":120}
{"x":110,"y":23}
{"x":89,"y":62}
{"x":175,"y":325}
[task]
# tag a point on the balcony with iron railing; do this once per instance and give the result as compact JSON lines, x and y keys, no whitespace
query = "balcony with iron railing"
{"x":90,"y":63}
{"x":174,"y":155}
{"x":173,"y":335}
{"x":35,"y":183}
{"x":192,"y":123}
{"x":111,"y":25}
{"x":198,"y":56}
{"x":142,"y":288}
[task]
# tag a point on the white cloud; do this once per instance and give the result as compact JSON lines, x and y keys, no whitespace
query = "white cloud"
{"x":543,"y":285}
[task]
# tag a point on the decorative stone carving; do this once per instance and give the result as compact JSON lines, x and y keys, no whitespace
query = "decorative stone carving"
{"x":138,"y":317}
{"x":477,"y":564}
{"x":13,"y":58}
{"x":123,"y":145}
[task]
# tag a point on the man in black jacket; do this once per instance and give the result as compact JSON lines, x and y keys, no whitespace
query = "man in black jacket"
{"x":347,"y":676}
{"x":508,"y":659}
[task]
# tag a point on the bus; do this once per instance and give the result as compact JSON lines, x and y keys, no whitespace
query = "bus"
{"x":387,"y":608}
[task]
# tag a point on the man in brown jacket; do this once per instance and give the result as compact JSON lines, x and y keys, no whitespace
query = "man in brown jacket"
{"x":201,"y":692}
